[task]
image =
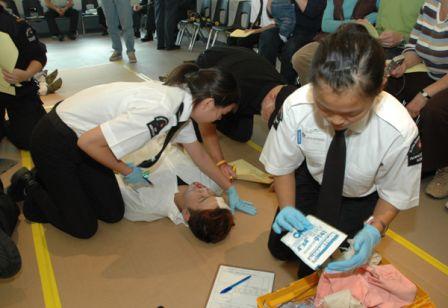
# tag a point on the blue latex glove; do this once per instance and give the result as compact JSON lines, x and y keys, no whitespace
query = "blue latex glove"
{"x":137,"y":178}
{"x":364,"y":243}
{"x":290,"y":219}
{"x":237,"y":204}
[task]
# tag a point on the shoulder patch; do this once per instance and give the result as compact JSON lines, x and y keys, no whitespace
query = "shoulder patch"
{"x":156,"y":125}
{"x":415,"y":152}
{"x":278,"y":119}
{"x":31,"y":37}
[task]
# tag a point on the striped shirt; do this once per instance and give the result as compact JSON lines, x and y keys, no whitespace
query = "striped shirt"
{"x":429,"y":39}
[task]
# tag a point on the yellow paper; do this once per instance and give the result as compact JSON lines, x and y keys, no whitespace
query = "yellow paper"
{"x":419,"y":68}
{"x":241,"y":33}
{"x":371,"y":29}
{"x":248,"y":172}
{"x":8,"y":61}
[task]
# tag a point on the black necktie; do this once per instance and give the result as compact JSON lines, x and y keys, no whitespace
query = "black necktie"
{"x":150,"y":162}
{"x":330,"y":195}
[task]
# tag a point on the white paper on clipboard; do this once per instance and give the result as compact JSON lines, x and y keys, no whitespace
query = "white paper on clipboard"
{"x":244,"y":295}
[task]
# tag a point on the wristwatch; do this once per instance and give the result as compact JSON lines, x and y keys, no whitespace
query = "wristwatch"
{"x":425,"y":94}
{"x":372,"y":219}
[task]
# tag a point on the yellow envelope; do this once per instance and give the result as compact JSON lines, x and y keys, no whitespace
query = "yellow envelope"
{"x":241,"y":33}
{"x":248,"y":172}
{"x":419,"y":68}
{"x":8,"y":61}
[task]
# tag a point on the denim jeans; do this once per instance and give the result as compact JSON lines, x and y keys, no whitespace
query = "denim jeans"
{"x":119,"y":12}
{"x":285,"y":18}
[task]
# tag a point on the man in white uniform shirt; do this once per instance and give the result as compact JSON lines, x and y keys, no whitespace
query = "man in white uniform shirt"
{"x":343,"y":150}
{"x":181,"y":192}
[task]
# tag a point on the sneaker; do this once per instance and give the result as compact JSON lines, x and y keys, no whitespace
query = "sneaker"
{"x":51,"y":77}
{"x":54,"y":86}
{"x":10,"y":260}
{"x":20,"y":180}
{"x":438,"y":187}
{"x":116,"y":56}
{"x":131,"y":57}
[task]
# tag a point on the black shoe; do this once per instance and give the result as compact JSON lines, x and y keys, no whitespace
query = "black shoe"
{"x":147,"y":38}
{"x":61,"y":37}
{"x":160,"y":47}
{"x":20,"y":180}
{"x":175,"y":47}
{"x":72,"y":36}
{"x":137,"y":34}
{"x":162,"y":78}
{"x":10,"y":260}
{"x":104,"y":33}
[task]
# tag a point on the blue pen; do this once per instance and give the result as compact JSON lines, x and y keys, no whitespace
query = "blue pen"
{"x":225,"y":290}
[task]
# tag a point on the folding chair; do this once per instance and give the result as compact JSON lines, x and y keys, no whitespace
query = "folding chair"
{"x":86,"y":6}
{"x":241,"y":21}
{"x":220,"y":17}
{"x":204,"y":12}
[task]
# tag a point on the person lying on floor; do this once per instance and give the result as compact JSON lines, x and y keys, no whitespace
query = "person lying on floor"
{"x":181,"y":192}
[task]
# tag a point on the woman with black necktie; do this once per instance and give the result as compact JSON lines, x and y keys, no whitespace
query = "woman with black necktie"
{"x":343,"y":150}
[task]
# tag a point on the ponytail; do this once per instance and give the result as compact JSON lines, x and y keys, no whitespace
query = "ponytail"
{"x":178,"y":75}
{"x":205,"y":83}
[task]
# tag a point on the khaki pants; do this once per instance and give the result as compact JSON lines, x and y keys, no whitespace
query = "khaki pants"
{"x":301,"y":61}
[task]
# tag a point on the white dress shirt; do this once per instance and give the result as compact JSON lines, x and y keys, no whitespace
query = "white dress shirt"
{"x":382,"y":148}
{"x":129,"y":113}
{"x":157,"y":201}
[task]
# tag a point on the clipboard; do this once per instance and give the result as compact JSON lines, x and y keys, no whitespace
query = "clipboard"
{"x":244,"y":295}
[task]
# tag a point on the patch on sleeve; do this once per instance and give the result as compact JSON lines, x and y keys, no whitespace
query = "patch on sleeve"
{"x":156,"y":125}
{"x":415,"y":152}
{"x":31,"y":37}
{"x":278,"y":119}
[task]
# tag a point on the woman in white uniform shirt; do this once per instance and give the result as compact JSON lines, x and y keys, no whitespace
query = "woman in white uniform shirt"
{"x":77,"y":147}
{"x":344,"y":131}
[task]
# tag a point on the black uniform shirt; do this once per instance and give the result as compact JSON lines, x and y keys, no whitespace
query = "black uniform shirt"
{"x":254,"y":75}
{"x":28,"y":45}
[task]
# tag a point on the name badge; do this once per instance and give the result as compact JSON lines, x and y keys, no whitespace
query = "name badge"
{"x":299,"y":136}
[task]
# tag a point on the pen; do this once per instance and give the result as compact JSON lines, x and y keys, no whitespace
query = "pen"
{"x":225,"y":290}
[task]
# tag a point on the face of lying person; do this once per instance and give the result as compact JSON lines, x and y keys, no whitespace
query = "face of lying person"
{"x":198,"y":197}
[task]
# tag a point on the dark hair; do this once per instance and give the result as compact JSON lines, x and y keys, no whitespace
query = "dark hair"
{"x":211,"y":226}
{"x":349,"y":57}
{"x":205,"y":83}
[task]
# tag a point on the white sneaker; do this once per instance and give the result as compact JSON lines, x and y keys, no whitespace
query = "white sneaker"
{"x":131,"y":57}
{"x":116,"y":56}
{"x":438,"y":187}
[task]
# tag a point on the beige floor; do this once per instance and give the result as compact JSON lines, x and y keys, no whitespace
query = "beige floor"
{"x":150,"y":264}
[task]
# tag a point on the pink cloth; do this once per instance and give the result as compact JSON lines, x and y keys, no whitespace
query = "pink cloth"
{"x":374,"y":286}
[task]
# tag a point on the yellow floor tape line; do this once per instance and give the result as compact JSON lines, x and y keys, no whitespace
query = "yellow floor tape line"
{"x":418,"y":251}
{"x":394,"y":236}
{"x":47,"y":278}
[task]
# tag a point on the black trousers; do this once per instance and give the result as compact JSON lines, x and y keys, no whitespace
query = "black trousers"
{"x":354,"y":211}
{"x":51,"y":16}
{"x":24,"y":112}
{"x":74,"y":189}
{"x":234,"y":127}
{"x":150,"y":19}
{"x":101,"y":18}
{"x":433,"y":124}
{"x":167,"y":16}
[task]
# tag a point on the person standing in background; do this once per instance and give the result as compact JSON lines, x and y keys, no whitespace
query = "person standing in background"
{"x":167,"y":12}
{"x":119,"y":12}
